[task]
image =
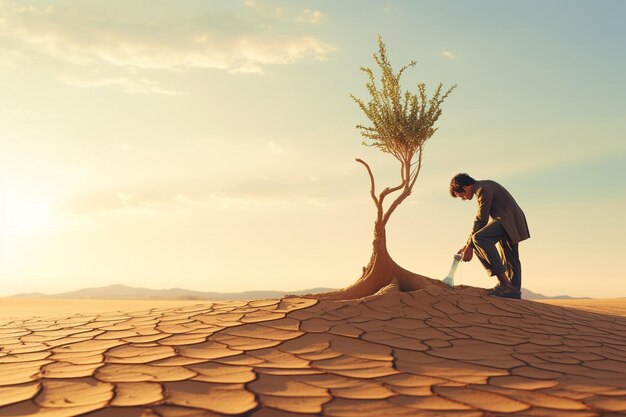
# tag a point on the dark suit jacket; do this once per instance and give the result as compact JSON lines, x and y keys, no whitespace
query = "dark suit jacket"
{"x":495,"y":201}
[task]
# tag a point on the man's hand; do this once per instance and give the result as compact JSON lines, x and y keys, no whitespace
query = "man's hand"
{"x":467,"y":252}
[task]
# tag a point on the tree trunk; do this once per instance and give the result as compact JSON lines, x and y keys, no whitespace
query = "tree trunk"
{"x":382,"y":274}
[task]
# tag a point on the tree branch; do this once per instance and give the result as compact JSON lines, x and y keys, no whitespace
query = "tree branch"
{"x":417,"y":169}
{"x":407,"y":166}
{"x":405,"y":193}
{"x":405,"y":179}
{"x":388,"y":191}
{"x":373,"y":189}
{"x":408,"y":185}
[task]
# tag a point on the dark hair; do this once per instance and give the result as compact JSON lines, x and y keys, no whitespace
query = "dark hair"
{"x":458,"y":182}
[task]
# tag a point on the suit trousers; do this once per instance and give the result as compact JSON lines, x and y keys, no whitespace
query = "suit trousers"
{"x":503,"y":258}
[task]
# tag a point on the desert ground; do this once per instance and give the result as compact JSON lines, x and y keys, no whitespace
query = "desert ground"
{"x":431,"y":352}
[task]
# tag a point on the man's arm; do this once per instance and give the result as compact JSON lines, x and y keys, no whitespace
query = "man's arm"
{"x":484,"y":196}
{"x":485,"y":199}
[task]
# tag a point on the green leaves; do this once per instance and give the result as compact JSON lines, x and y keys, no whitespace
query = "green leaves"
{"x":401,"y":121}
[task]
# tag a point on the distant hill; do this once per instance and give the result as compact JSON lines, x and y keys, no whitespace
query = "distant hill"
{"x":529,"y":295}
{"x":123,"y":292}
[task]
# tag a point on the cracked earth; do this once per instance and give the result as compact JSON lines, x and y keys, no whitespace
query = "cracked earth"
{"x":431,"y":352}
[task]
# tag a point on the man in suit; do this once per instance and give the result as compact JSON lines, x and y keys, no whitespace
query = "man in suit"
{"x":499,"y":221}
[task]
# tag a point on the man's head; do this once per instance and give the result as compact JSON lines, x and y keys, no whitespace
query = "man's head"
{"x":462,"y":186}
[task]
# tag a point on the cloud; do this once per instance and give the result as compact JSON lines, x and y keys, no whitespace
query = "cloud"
{"x":80,"y":36}
{"x":285,"y":14}
{"x":314,"y":17}
{"x":127,"y":85}
{"x":12,"y":111}
{"x":319,"y":189}
{"x":448,"y":54}
{"x":284,"y":189}
{"x":138,"y":201}
{"x":144,"y":202}
{"x":251,"y":55}
{"x":275,"y":148}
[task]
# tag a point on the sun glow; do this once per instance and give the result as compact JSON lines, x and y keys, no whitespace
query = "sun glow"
{"x":19,"y":216}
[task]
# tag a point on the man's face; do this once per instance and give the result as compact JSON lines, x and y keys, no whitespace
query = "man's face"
{"x":466,"y":194}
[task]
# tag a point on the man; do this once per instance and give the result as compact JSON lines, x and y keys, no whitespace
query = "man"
{"x":499,"y":221}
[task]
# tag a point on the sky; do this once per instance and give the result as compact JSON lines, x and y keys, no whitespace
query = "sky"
{"x":211,"y":145}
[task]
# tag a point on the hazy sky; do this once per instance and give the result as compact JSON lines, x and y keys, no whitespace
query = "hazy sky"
{"x":210,"y":145}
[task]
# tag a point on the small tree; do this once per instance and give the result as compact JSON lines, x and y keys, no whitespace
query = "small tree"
{"x":402,"y":122}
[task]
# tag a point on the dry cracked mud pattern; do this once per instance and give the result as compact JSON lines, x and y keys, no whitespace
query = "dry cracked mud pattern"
{"x":428,"y":353}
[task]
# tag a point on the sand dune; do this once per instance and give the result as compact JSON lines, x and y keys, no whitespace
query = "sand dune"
{"x":21,"y":308}
{"x":615,"y":306}
{"x":428,"y":353}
